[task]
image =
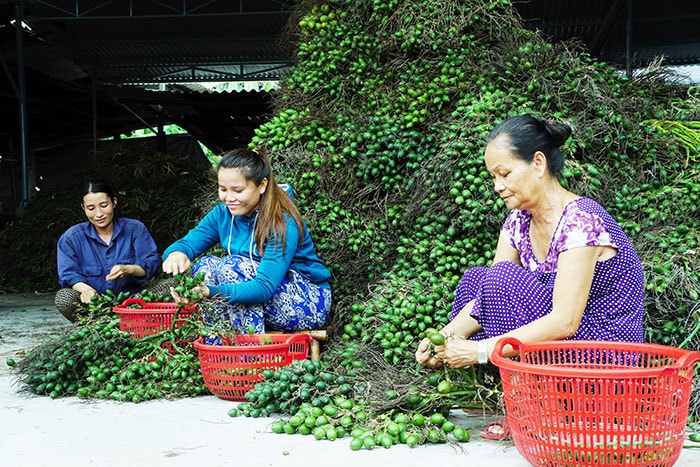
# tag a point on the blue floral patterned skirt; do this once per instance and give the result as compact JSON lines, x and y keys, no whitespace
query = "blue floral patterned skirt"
{"x":296,"y":305}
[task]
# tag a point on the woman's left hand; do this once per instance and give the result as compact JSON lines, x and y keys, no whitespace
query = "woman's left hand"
{"x":425,"y":355}
{"x":201,"y":291}
{"x":120,"y":271}
{"x":457,"y":352}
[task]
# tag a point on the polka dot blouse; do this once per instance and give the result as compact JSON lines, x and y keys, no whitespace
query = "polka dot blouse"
{"x":508,"y":295}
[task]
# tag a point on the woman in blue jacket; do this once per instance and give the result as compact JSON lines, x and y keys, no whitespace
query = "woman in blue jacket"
{"x":270,"y":277}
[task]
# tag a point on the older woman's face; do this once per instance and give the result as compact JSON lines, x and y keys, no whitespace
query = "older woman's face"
{"x":513,"y":179}
{"x":99,"y":209}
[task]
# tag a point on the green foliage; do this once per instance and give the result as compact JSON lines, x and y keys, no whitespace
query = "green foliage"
{"x":381,"y":126}
{"x":380,"y":129}
{"x":28,"y":252}
{"x":97,"y":360}
{"x":331,"y":403}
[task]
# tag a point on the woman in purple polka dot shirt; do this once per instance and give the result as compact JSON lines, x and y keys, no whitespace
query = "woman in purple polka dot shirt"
{"x":563,"y":267}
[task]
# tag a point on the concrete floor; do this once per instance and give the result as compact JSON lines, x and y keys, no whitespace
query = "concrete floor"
{"x":39,"y":431}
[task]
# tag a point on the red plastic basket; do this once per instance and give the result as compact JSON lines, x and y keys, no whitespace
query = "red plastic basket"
{"x":229,"y":371}
{"x":150,"y":318}
{"x":595,"y":403}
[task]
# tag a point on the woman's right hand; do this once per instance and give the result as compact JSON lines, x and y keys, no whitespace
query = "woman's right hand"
{"x":425,"y":355}
{"x":85,"y":290}
{"x":86,"y":295}
{"x":176,"y":263}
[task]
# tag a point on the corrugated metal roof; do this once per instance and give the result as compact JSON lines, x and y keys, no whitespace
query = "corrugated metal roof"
{"x":179,"y":43}
{"x":670,"y":28}
{"x":168,"y":45}
{"x":127,"y":41}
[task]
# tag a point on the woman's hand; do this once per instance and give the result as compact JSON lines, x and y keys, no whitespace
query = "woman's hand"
{"x":85,"y":290}
{"x":425,"y":355}
{"x":120,"y":271}
{"x":201,"y":291}
{"x":457,"y":352}
{"x":86,"y":295}
{"x":176,"y":263}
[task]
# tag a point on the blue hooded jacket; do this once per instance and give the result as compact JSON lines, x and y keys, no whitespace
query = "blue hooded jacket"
{"x":235,"y":234}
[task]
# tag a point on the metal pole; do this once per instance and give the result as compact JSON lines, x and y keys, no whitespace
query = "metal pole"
{"x":628,"y":40}
{"x":160,"y":136}
{"x":22,"y":96}
{"x":94,"y":115}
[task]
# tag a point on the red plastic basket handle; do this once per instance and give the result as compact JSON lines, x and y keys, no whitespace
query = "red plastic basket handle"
{"x":501,"y":343}
{"x":297,"y":338}
{"x":688,"y":359}
{"x":133,"y":301}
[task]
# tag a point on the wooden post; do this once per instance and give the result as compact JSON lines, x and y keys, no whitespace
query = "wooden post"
{"x":316,"y":336}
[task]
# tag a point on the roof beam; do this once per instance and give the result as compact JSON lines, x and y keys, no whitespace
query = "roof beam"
{"x":191,"y":74}
{"x":70,"y":10}
{"x":608,"y":22}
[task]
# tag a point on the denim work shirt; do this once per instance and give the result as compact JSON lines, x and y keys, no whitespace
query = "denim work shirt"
{"x":84,"y":257}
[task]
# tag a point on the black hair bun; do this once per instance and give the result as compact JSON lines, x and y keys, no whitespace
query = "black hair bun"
{"x":560,"y":132}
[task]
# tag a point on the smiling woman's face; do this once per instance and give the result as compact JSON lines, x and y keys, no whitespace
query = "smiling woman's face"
{"x":239,"y":194}
{"x":99,"y":209}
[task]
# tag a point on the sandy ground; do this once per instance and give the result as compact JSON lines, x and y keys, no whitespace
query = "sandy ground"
{"x":40,"y":431}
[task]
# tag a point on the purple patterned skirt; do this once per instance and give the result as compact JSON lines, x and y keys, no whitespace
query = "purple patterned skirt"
{"x":507,"y":296}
